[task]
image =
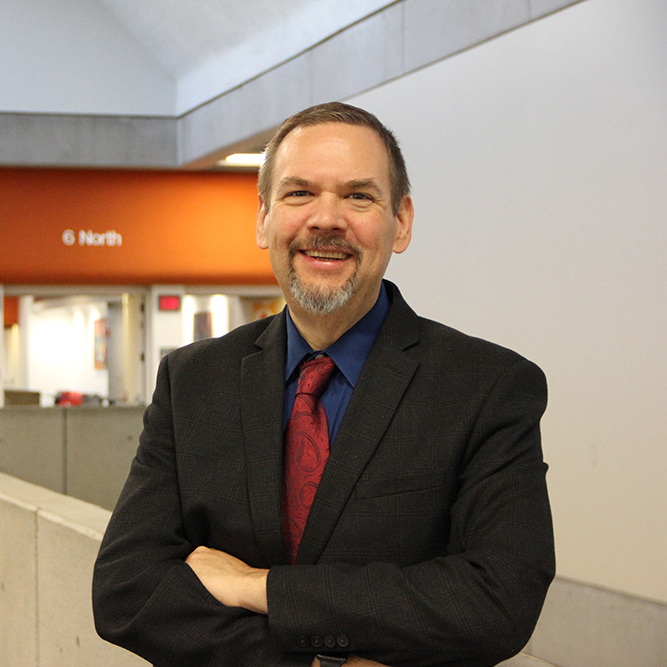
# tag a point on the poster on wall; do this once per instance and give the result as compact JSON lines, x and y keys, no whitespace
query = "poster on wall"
{"x":101,"y":339}
{"x":262,"y":308}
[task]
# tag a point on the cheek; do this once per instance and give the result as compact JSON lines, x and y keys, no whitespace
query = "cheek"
{"x":280,"y":264}
{"x":278,"y":253}
{"x":376,"y":242}
{"x":284,"y":231}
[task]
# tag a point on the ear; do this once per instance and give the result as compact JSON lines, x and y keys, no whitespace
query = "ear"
{"x":404,"y":217}
{"x":262,"y":222}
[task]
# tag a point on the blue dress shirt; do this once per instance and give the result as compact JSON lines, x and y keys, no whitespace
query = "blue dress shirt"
{"x":349,"y":353}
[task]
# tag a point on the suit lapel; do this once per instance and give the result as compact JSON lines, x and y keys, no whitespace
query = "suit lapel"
{"x":262,"y":391}
{"x":385,"y":377}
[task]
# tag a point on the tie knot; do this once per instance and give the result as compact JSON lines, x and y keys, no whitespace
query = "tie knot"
{"x":314,"y":375}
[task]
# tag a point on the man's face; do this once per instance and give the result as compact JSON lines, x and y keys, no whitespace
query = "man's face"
{"x":330,"y":228}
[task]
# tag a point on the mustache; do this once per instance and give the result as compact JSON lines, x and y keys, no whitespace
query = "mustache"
{"x":325,"y":242}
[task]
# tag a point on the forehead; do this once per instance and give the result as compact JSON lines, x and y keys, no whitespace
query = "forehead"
{"x":332,"y":151}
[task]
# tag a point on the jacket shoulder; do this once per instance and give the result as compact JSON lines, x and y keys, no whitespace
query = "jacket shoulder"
{"x":452,"y":351}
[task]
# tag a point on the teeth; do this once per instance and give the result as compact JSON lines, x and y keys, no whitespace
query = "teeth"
{"x":325,"y":255}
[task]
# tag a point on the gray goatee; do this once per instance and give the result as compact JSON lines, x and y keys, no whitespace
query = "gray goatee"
{"x":321,"y":299}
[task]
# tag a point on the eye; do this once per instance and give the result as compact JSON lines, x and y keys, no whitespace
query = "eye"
{"x":361,"y":196}
{"x":296,"y":197}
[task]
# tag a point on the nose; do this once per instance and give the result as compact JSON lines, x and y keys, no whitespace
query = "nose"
{"x":327,"y":214}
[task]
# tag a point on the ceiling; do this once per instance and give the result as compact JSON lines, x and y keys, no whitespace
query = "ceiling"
{"x":183,"y":36}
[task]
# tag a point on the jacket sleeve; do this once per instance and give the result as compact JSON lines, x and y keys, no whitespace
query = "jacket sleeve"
{"x":145,"y":597}
{"x":478,"y":603}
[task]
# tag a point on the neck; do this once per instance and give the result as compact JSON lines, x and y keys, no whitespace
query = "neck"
{"x":322,"y":331}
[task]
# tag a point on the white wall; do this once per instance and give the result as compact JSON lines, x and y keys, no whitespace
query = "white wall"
{"x":11,"y":359}
{"x":538,"y":162}
{"x":73,"y":56}
{"x":61,"y":350}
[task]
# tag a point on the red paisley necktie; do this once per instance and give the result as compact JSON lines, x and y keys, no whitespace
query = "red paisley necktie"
{"x":306,"y":450}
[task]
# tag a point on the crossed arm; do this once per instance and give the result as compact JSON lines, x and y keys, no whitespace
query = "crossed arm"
{"x":235,"y":584}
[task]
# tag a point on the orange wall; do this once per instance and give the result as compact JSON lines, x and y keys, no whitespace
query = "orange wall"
{"x":174,"y":227}
{"x":11,"y":310}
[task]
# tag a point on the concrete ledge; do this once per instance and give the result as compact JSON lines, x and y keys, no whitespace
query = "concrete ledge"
{"x":85,"y":452}
{"x":523,"y":660}
{"x":47,"y":551}
{"x":32,"y":445}
{"x":586,"y":626}
{"x":18,"y":577}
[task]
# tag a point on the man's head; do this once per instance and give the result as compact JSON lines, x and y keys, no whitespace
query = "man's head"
{"x":337,"y":112}
{"x":328,"y":210}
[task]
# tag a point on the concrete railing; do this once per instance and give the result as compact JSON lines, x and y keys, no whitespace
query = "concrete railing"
{"x":524,"y":660}
{"x":48,"y":544}
{"x":586,"y":626}
{"x":83,"y":452}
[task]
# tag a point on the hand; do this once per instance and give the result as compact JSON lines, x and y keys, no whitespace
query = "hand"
{"x":230,"y":580}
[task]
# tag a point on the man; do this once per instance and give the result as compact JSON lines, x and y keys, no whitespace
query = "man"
{"x":429,"y":538}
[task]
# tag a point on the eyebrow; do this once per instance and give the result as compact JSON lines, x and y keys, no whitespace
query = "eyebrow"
{"x":291,"y":181}
{"x":364,"y":184}
{"x":355,"y":184}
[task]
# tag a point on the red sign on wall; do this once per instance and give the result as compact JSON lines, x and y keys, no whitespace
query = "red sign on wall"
{"x":169,"y":302}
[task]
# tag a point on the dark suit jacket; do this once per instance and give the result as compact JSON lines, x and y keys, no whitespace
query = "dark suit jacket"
{"x":429,"y":541}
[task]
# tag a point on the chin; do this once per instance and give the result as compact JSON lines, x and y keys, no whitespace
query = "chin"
{"x":321,"y":299}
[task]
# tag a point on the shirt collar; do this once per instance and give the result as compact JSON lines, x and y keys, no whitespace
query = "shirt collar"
{"x":349,"y":352}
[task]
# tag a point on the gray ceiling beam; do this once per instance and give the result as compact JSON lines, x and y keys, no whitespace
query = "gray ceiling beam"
{"x":61,"y":140}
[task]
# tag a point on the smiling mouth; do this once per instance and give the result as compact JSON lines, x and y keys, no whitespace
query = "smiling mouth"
{"x":327,"y":249}
{"x":326,"y":255}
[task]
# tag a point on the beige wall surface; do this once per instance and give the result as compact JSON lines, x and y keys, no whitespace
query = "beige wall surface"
{"x":538,"y":161}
